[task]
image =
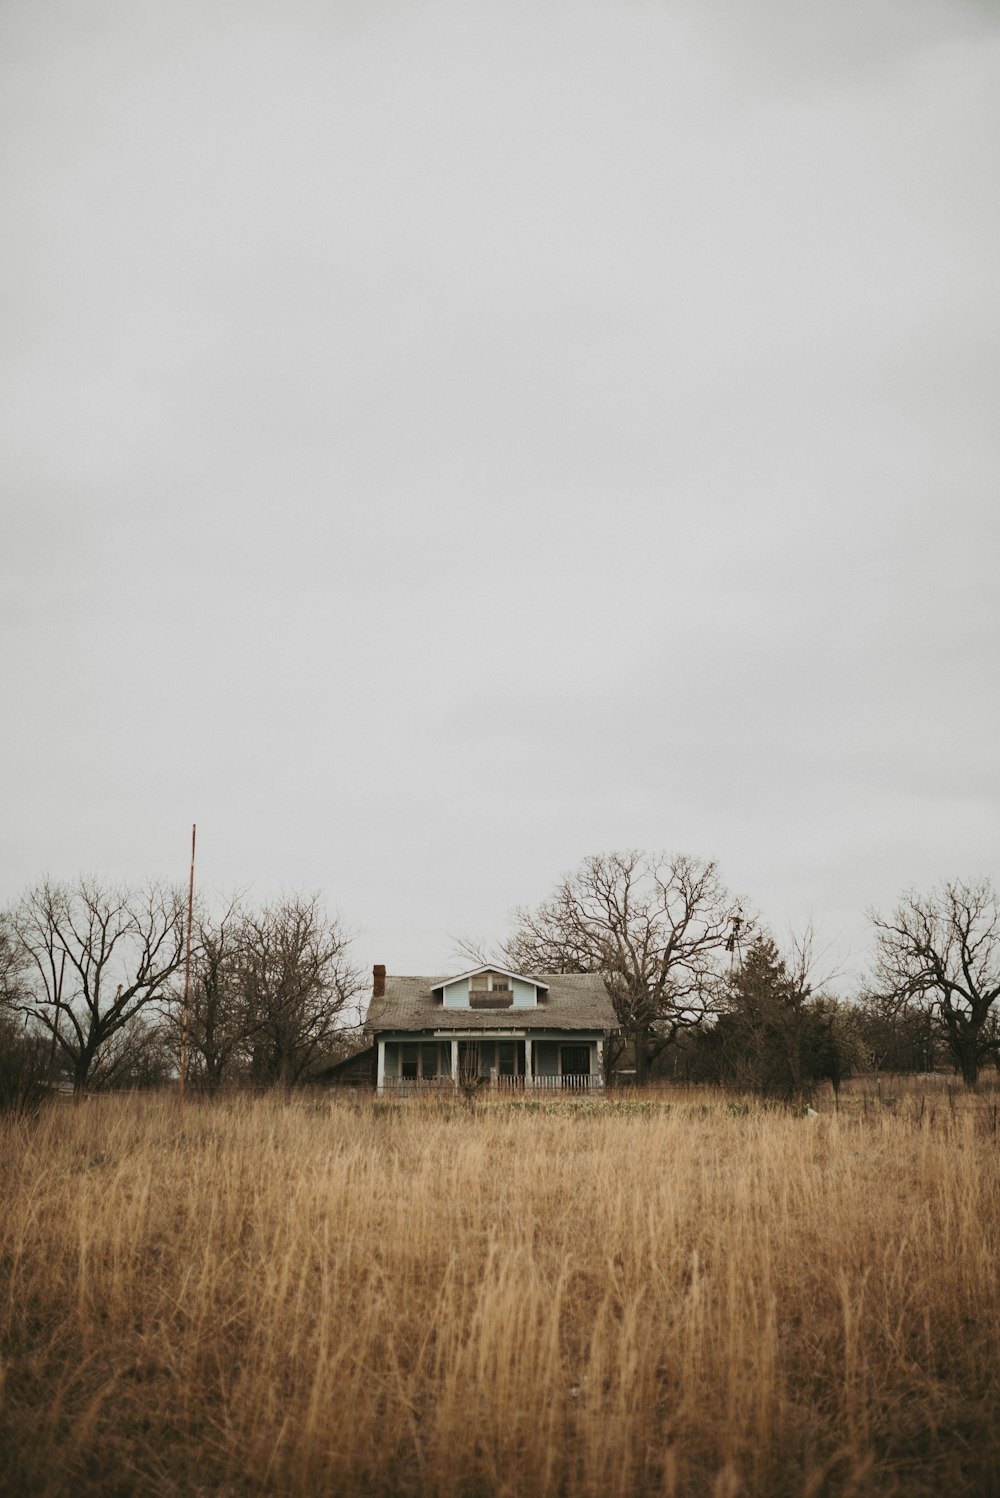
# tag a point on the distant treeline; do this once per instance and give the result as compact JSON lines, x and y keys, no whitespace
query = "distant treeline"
{"x":93,"y":978}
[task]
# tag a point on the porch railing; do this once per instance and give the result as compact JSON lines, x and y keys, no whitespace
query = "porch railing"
{"x":573,"y":1082}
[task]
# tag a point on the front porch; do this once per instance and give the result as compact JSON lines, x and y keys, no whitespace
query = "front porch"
{"x":511,"y":1062}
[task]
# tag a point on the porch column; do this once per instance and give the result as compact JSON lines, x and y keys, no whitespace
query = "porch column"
{"x":380,"y":1067}
{"x":600,"y":1063}
{"x":528,"y":1074}
{"x":454,"y":1063}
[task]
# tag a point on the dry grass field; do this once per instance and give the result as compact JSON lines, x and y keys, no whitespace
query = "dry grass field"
{"x":342,"y":1297}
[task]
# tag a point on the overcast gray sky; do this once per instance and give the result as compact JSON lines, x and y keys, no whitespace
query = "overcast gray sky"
{"x":441,"y":441}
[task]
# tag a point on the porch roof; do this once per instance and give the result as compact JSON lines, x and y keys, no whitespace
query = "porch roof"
{"x":572,"y":1001}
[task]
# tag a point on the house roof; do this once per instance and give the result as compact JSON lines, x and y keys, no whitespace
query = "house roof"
{"x":358,"y":1063}
{"x":490,"y":967}
{"x":573,"y":1001}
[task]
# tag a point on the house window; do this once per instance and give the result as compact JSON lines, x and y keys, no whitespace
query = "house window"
{"x":489,"y":982}
{"x":429,"y":1058}
{"x":507,"y":1058}
{"x":575,"y":1060}
{"x":409,"y":1062}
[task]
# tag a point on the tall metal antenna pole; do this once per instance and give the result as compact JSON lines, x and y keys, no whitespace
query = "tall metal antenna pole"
{"x":187,"y":968}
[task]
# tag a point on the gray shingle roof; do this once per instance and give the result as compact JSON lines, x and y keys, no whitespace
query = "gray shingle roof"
{"x":574,"y":1001}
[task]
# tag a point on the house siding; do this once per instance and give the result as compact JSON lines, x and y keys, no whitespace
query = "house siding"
{"x":524,"y":994}
{"x":456,"y":995}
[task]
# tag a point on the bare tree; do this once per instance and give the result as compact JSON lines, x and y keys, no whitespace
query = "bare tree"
{"x":94,"y":959}
{"x":219,"y":1020}
{"x":944,"y":948}
{"x":653,"y":924}
{"x":11,"y":963}
{"x":138,"y":1054}
{"x":299,"y":987}
{"x":25,"y":1056}
{"x":901,"y":1035}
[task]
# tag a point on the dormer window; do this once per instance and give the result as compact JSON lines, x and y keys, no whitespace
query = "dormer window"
{"x":489,"y":983}
{"x":490,"y":988}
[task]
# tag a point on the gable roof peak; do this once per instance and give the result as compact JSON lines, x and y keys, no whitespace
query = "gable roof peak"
{"x":491,"y":967}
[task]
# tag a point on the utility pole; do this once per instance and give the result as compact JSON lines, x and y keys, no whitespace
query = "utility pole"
{"x":187,"y":968}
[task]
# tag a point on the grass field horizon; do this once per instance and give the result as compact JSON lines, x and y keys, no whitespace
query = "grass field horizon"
{"x":343,"y":1296}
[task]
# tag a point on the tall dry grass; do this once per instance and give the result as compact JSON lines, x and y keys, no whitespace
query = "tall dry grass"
{"x":350,"y":1298}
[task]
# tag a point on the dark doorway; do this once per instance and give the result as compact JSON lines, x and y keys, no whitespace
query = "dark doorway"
{"x":575,"y":1064}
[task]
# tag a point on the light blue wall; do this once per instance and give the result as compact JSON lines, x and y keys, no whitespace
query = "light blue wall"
{"x":456,"y":995}
{"x":524,"y":994}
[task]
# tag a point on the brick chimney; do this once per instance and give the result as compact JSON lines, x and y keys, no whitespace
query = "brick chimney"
{"x":378,"y":981}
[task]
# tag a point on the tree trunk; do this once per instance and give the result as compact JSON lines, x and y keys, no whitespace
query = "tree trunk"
{"x":795,"y":1066}
{"x":641,"y":1059}
{"x":968,"y":1058}
{"x":963,"y":1042}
